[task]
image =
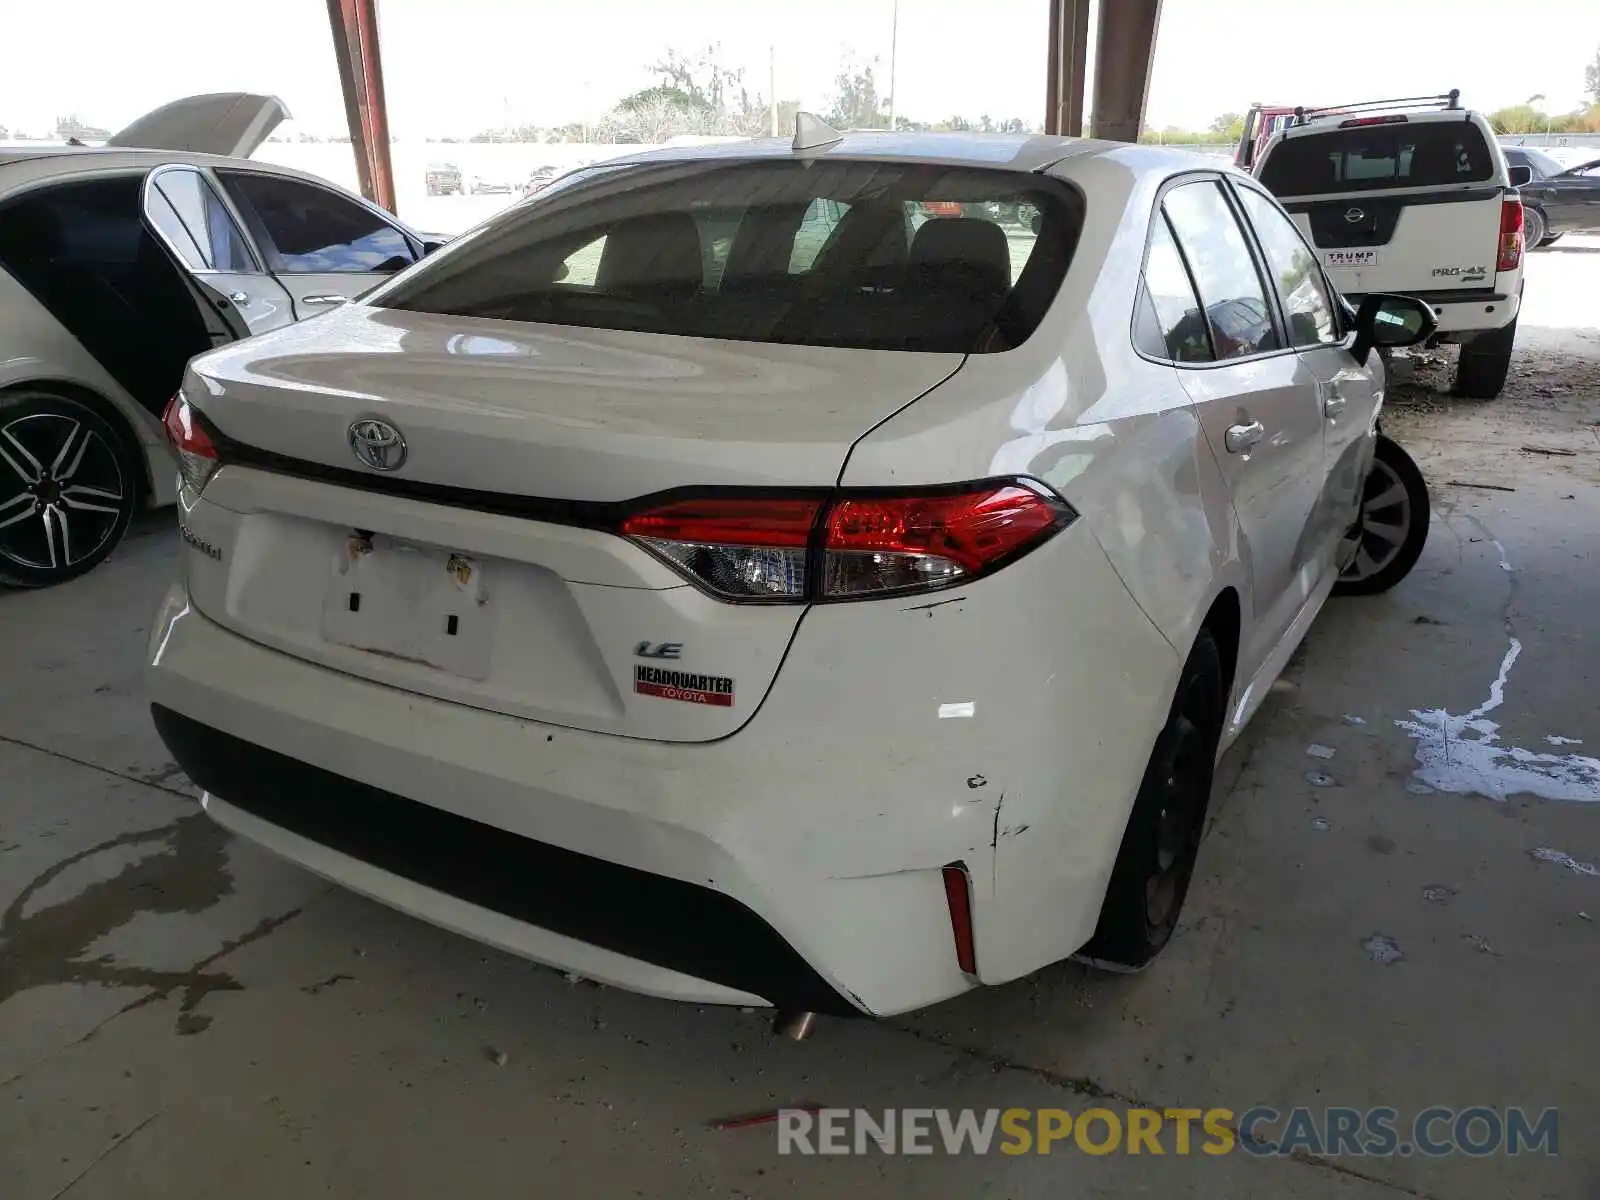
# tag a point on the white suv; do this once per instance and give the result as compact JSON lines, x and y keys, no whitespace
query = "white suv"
{"x":1411,"y":196}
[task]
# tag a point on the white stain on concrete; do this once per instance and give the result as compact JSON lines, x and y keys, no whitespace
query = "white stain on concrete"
{"x":1557,"y":740}
{"x":1464,"y":755}
{"x":1560,"y":858}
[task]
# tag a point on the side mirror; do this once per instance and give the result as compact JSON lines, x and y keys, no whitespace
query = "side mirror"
{"x":1521,"y":176}
{"x":429,"y":245}
{"x":1391,"y":321}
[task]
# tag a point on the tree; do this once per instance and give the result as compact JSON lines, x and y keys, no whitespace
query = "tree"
{"x":72,"y":126}
{"x":856,"y":103}
{"x":1229,"y":127}
{"x":1519,"y":118}
{"x":1591,"y":79}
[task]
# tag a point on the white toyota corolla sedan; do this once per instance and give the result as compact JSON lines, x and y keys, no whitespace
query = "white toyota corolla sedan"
{"x":722,"y":578}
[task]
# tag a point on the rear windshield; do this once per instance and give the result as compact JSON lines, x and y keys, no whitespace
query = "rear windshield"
{"x":1422,"y":154}
{"x":880,"y":255}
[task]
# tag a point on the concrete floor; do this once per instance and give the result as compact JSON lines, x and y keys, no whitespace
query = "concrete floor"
{"x":181,"y":1016}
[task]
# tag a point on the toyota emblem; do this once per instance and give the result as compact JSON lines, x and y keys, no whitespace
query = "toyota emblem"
{"x":377,"y":444}
{"x":1355,"y":216}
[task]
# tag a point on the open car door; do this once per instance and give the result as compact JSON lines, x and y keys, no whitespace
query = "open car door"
{"x":217,"y":312}
{"x":232,"y":124}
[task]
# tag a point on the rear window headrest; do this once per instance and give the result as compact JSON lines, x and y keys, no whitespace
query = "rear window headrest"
{"x":659,"y":249}
{"x":965,"y":242}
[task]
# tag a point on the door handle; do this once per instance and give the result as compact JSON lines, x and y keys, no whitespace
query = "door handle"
{"x":1333,"y":405}
{"x":1241,"y":439}
{"x":329,"y":299}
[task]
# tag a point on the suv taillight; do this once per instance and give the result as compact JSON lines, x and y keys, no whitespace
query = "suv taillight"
{"x":852,"y":545}
{"x":197,"y":453}
{"x":1510,"y":236}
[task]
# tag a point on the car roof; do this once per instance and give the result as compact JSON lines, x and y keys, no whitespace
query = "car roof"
{"x":28,"y":165}
{"x":1011,"y":151}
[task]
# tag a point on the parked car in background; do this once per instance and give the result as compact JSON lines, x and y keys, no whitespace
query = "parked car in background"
{"x":538,"y":180}
{"x":1559,"y":200}
{"x":117,"y":265}
{"x":545,"y":602}
{"x":1412,"y":196}
{"x":444,"y":179}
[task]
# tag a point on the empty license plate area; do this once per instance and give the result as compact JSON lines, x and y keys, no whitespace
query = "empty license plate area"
{"x":416,"y":604}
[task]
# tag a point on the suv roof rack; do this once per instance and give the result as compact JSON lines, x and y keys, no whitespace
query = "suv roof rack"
{"x":1446,"y":100}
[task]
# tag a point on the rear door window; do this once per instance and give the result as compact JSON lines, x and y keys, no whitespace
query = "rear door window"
{"x":814,"y":253}
{"x":195,"y":222}
{"x":1224,"y":270}
{"x":1307,"y":300}
{"x":1401,"y":155}
{"x":317,"y":231}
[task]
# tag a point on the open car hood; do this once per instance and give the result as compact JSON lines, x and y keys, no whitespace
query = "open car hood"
{"x":232,"y":124}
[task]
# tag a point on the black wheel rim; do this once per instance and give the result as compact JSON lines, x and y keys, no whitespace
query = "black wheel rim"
{"x":62,"y":492}
{"x":1382,"y":528}
{"x":1185,"y":785}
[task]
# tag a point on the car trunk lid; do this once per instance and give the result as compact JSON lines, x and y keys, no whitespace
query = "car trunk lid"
{"x":484,"y":567}
{"x":231,"y":124}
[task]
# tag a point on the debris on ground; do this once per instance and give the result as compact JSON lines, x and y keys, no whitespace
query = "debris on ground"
{"x":1317,"y":750}
{"x":770,"y":1117}
{"x":1351,"y":719}
{"x":1417,"y":788}
{"x":498,"y":1057}
{"x":1550,"y":450}
{"x":1382,"y":949}
{"x":1321,"y":824}
{"x":1427,"y":620}
{"x":1559,"y":858}
{"x":1487,"y":487}
{"x":1320,"y":779}
{"x":1438,"y":893}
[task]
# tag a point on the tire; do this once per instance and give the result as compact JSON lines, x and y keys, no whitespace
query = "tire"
{"x":1550,"y":239}
{"x":70,"y":481}
{"x":1533,"y":228}
{"x":1162,"y":840}
{"x":1485,"y":362}
{"x":1392,"y":526}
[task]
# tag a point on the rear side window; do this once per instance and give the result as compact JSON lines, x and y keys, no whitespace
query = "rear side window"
{"x":316,"y":231}
{"x":1170,"y":323}
{"x":843,"y":253}
{"x":1224,"y":270}
{"x":191,"y":216}
{"x":1421,"y":154}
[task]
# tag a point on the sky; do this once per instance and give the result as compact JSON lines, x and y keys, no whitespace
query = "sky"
{"x":459,"y":66}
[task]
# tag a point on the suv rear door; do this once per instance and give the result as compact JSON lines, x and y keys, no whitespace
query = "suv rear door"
{"x":1393,"y":203}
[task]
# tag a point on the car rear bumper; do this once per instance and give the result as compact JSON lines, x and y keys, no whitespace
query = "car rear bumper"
{"x":798,"y":862}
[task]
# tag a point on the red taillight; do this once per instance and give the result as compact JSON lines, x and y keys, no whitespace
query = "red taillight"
{"x":895,"y":544}
{"x":197,"y":453}
{"x":736,"y":547}
{"x":760,"y":548}
{"x":1510,"y":236}
{"x":958,"y":895}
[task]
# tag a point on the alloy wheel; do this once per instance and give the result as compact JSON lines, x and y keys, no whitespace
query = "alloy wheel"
{"x":63,"y":492}
{"x":1380,"y":532}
